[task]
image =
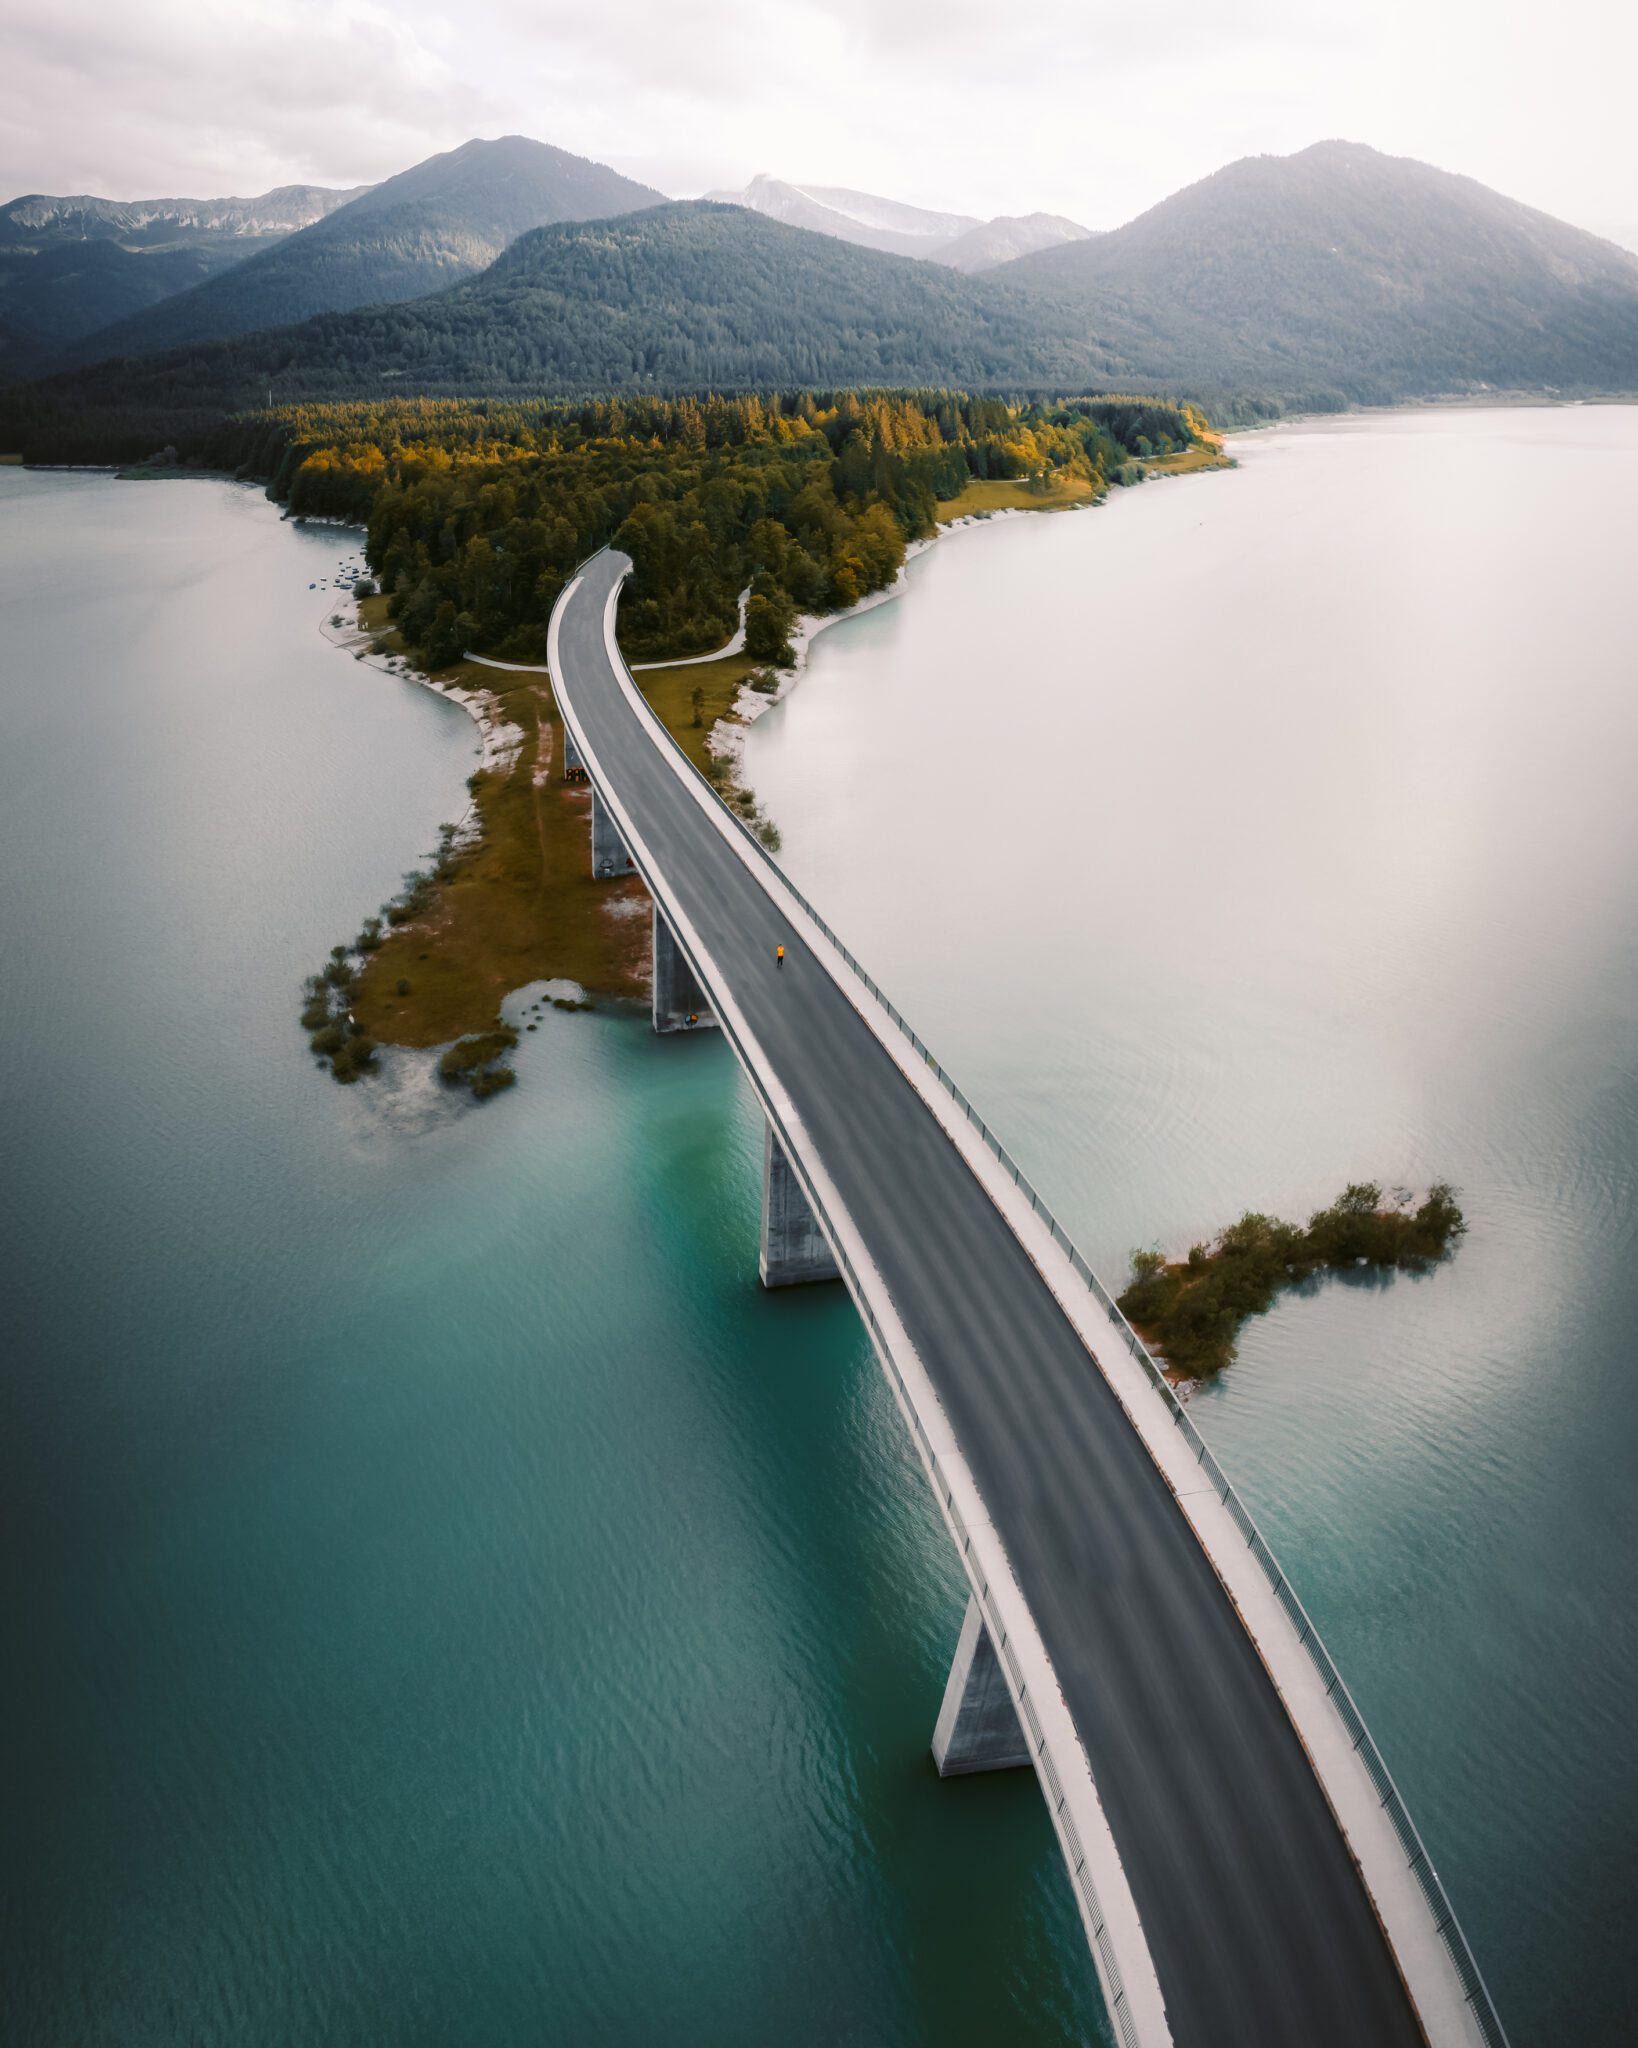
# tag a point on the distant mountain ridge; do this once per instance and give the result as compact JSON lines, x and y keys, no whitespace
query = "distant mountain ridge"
{"x":427,"y":228}
{"x":71,"y":263}
{"x":998,"y":241}
{"x":686,"y":296}
{"x":961,"y":240}
{"x":1340,"y":271}
{"x":39,"y":219}
{"x":1334,"y":276}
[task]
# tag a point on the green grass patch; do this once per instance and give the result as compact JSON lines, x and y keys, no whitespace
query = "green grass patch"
{"x":1192,"y":1310}
{"x":1203,"y":455}
{"x":690,"y":699}
{"x":1020,"y":494}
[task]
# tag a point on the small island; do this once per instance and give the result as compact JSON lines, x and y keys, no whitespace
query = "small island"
{"x":1190,"y":1311}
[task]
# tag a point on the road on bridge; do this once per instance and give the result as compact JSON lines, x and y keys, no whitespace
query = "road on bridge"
{"x":1259,"y":1926}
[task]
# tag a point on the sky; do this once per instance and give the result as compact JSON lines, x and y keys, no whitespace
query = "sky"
{"x":1091,"y":108}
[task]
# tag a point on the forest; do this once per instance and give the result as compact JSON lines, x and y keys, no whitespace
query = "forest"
{"x":673,"y":299}
{"x":479,"y":511}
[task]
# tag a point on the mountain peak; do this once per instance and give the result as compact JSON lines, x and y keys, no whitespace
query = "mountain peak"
{"x":441,"y":220}
{"x":1339,"y":271}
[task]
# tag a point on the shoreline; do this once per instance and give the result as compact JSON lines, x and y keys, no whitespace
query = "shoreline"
{"x":592,"y":923}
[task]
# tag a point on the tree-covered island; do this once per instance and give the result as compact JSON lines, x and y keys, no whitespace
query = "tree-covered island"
{"x":1191,"y":1310}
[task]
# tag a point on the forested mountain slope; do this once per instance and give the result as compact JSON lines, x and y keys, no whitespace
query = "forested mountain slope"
{"x":429,"y":227}
{"x":70,"y":264}
{"x":683,"y":297}
{"x":1343,"y":270}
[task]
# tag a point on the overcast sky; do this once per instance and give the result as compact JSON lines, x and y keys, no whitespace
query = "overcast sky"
{"x":1094,"y":108}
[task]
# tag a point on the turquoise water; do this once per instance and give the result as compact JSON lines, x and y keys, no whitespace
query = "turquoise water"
{"x":445,"y":1599}
{"x":1267,"y":830}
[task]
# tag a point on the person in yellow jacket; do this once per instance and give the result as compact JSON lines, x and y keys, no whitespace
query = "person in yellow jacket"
{"x":779,"y":956}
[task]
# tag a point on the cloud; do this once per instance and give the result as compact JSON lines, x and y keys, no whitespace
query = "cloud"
{"x":1095,"y":108}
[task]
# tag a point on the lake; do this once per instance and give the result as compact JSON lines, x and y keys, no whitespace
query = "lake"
{"x":449,"y":1601}
{"x":1264,"y":831}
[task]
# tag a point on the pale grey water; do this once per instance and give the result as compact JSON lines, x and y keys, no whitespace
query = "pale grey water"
{"x":444,"y":1600}
{"x":1267,"y":830}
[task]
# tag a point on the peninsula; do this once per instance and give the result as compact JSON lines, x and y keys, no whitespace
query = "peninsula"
{"x":477,"y":516}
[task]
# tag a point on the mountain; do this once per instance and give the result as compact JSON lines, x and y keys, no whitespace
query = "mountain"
{"x":683,"y":297}
{"x":39,"y":219}
{"x":72,"y":264}
{"x":430,"y":226}
{"x":998,"y":241}
{"x":870,"y":222}
{"x":1342,"y":272}
{"x":959,"y":239}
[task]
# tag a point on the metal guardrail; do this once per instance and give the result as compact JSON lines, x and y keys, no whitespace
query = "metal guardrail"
{"x":1417,"y":1860}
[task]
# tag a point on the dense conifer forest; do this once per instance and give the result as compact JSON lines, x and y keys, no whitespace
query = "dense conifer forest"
{"x":478,"y":512}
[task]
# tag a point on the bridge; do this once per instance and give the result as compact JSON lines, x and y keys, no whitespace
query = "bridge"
{"x":1246,"y":1871}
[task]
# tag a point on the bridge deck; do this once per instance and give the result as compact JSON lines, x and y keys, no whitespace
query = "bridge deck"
{"x":1258,"y":1925}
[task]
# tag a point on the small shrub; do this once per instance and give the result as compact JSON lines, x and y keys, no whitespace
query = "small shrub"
{"x":329,"y":1040}
{"x":364,"y":587}
{"x":403,"y":986}
{"x":466,"y":1055}
{"x":354,"y":1059}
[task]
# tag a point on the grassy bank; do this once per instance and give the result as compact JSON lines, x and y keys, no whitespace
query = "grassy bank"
{"x":513,"y":899}
{"x":1015,"y":494}
{"x":518,"y":903}
{"x":1208,"y":453}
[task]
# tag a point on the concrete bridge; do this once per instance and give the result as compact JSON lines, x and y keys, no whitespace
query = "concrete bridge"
{"x":1246,"y":1872}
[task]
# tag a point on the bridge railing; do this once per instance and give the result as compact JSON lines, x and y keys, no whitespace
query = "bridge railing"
{"x":1417,"y":1860}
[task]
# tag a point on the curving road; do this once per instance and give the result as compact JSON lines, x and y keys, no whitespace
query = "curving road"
{"x":1259,"y":1927}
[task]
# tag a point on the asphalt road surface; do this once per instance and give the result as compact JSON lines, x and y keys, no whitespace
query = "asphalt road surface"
{"x":1258,"y":1924}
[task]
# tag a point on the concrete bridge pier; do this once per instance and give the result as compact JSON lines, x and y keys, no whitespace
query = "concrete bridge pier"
{"x":609,"y":855}
{"x":977,"y":1727}
{"x":680,"y":1004}
{"x":794,"y":1249}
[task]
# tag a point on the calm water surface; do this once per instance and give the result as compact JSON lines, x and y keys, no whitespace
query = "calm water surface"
{"x":1269,"y":830}
{"x":446,"y":1600}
